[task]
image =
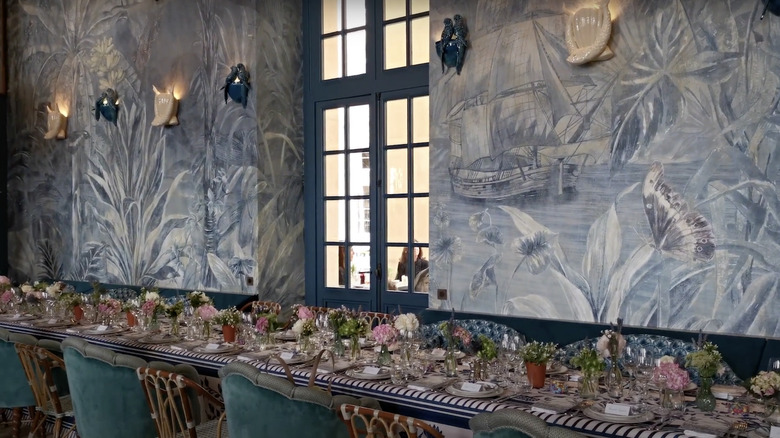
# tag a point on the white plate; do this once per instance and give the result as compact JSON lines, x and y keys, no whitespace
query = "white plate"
{"x":159,"y":338}
{"x":431,"y":356}
{"x":295,"y":360}
{"x":562,"y":369}
{"x":17,"y":317}
{"x":107,"y":331}
{"x":53,"y":324}
{"x":221,"y":349}
{"x":596,"y":412}
{"x":357,"y":373}
{"x":488,"y":390}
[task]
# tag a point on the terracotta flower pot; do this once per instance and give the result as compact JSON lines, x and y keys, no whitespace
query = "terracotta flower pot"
{"x":78,"y":313}
{"x":131,"y":322}
{"x":229,"y":333}
{"x":536,"y":372}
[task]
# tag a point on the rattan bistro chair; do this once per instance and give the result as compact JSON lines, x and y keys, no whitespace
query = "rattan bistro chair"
{"x":262,"y":307}
{"x":16,"y":393}
{"x":365,"y":422}
{"x":513,"y":423}
{"x":169,"y":397}
{"x":40,"y":366}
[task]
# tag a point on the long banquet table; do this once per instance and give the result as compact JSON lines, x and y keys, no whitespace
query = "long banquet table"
{"x":434,"y":406}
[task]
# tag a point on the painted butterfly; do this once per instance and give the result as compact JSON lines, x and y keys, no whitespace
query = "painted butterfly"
{"x":678,"y":230}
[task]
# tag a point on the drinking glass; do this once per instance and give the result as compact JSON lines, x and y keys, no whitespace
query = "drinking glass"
{"x":645,"y":364}
{"x":774,"y":364}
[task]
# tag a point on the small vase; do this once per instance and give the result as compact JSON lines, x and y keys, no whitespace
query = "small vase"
{"x":206,"y":330}
{"x":672,"y":399}
{"x":175,"y":326}
{"x":131,"y":321}
{"x":338,"y":346}
{"x":536,"y":373}
{"x":153,"y":325}
{"x":229,"y":333}
{"x":451,"y":363}
{"x":384,"y":359}
{"x":589,"y":385}
{"x":78,"y":313}
{"x":305,"y":344}
{"x":705,"y":400}
{"x":354,"y":348}
{"x":266,"y":340}
{"x":614,"y":382}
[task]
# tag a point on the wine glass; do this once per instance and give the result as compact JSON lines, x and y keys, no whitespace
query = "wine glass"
{"x":645,"y":364}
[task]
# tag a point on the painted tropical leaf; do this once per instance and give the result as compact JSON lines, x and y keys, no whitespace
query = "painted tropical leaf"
{"x":485,"y":277}
{"x":532,"y":305}
{"x":754,"y":314}
{"x":222,"y":272}
{"x":623,"y":282}
{"x":491,"y":236}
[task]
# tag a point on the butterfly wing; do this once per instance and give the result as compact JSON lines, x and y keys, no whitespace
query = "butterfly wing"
{"x":677,"y":229}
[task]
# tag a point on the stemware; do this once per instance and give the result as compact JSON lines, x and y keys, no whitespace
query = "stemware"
{"x":774,"y":364}
{"x":645,"y":364}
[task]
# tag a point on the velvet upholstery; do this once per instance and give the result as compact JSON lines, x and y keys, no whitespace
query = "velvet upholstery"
{"x":259,"y":404}
{"x":107,"y":396}
{"x":16,"y":391}
{"x":513,"y":423}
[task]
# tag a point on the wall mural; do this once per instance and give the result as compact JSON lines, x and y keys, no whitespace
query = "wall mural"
{"x":201,"y":205}
{"x":642,"y":187}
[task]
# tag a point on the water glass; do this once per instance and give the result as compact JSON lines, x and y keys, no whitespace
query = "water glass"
{"x":398,"y":374}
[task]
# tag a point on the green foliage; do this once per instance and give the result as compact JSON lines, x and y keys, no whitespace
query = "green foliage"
{"x":538,"y":352}
{"x":230,"y":316}
{"x":487,"y":348}
{"x":706,"y":360}
{"x":589,"y":361}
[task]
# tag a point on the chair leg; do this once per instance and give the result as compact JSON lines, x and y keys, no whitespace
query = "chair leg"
{"x":16,"y":422}
{"x":38,"y":420}
{"x":58,"y":428}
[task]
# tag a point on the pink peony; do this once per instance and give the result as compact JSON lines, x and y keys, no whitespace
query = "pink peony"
{"x":4,"y":280}
{"x":675,"y":377}
{"x":262,"y":324}
{"x":462,"y":334}
{"x":7,"y":296}
{"x":206,"y":312}
{"x":305,"y":313}
{"x":148,"y":307}
{"x":384,"y":334}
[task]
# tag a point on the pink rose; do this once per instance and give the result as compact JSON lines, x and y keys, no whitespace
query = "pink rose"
{"x":206,"y":312}
{"x":7,"y":296}
{"x":262,"y":325}
{"x":384,"y":334}
{"x":4,"y":280}
{"x":148,"y":307}
{"x":305,"y":313}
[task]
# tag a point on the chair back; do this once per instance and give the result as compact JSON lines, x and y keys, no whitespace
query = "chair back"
{"x":376,"y":318}
{"x":107,"y":398}
{"x":262,"y":307}
{"x":41,"y":366}
{"x":508,"y":423}
{"x":260,"y":404}
{"x":376,"y":423}
{"x":169,"y":396}
{"x":16,"y":391}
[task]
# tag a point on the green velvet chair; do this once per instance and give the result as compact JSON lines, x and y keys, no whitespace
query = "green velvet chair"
{"x":16,"y":393}
{"x":107,"y":396}
{"x":513,"y":423}
{"x":259,"y":404}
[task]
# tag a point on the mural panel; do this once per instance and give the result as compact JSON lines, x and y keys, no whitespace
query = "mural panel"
{"x":641,"y":187}
{"x":206,"y":204}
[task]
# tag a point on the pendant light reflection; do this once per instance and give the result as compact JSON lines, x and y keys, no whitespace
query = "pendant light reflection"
{"x":166,"y":106}
{"x":57,"y":123}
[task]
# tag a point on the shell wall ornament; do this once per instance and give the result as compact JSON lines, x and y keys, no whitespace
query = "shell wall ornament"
{"x":588,"y":32}
{"x":107,"y":106}
{"x":451,"y":48}
{"x":57,"y":124}
{"x":165,"y":107}
{"x":772,"y":6}
{"x":237,"y":84}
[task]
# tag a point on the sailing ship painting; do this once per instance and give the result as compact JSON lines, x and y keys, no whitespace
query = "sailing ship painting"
{"x":543,"y":122}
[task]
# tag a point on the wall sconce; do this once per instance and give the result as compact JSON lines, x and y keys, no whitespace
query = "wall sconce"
{"x":451,"y":48}
{"x":772,"y":5}
{"x":588,"y":32}
{"x":107,"y":106}
{"x":237,"y":84}
{"x":57,"y":124}
{"x":165,"y":108}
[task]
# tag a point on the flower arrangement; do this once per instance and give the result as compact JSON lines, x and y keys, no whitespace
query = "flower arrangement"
{"x":31,"y":293}
{"x":354,"y":327}
{"x":385,"y":334}
{"x":538,"y":352}
{"x":152,"y":305}
{"x":174,"y":310}
{"x":109,"y":307}
{"x":454,"y":335}
{"x":97,"y":293}
{"x":206,"y":312}
{"x":485,"y":348}
{"x":230,"y":317}
{"x":406,"y":324}
{"x":612,"y":343}
{"x":337,"y":318}
{"x":7,"y":296}
{"x":71,"y":299}
{"x":130,"y":305}
{"x":765,"y":385}
{"x":706,"y":360}
{"x":5,"y":283}
{"x":669,"y":372}
{"x":55,"y":289}
{"x":266,"y":323}
{"x":589,"y":361}
{"x":198,"y":298}
{"x":304,"y":327}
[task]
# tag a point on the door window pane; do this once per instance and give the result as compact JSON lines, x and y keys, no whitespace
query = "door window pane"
{"x":334,"y":175}
{"x":420,"y":221}
{"x":331,"y":16}
{"x":394,"y":9}
{"x":393,"y":271}
{"x":361,"y":267}
{"x":356,"y":53}
{"x":360,"y":220}
{"x":331,"y":57}
{"x":397,"y":220}
{"x":421,"y":282}
{"x":396,"y":171}
{"x":420,"y":119}
{"x":420,"y":41}
{"x":359,"y":175}
{"x":335,"y":221}
{"x":359,"y":129}
{"x":396,"y":122}
{"x":334,"y":272}
{"x":334,"y":129}
{"x":356,"y":13}
{"x":395,"y":45}
{"x":421,"y":169}
{"x":418,"y":6}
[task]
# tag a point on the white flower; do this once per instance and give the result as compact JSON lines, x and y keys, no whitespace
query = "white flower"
{"x":297,"y":328}
{"x":54,"y":290}
{"x":406,"y":322}
{"x":603,"y":343}
{"x":152,"y":296}
{"x":666,"y":359}
{"x":26,"y":288}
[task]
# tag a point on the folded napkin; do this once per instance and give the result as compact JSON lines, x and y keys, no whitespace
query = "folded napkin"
{"x":418,"y":387}
{"x":71,"y":330}
{"x":553,"y":406}
{"x":697,"y":434}
{"x":177,"y":348}
{"x":246,"y":358}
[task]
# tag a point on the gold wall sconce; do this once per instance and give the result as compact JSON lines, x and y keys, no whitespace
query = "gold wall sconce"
{"x":588,"y":32}
{"x":166,"y":107}
{"x":57,"y":124}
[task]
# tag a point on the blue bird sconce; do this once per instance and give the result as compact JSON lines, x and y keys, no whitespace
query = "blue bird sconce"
{"x":107,"y":106}
{"x":451,"y":48}
{"x":772,"y":6}
{"x":237,"y":84}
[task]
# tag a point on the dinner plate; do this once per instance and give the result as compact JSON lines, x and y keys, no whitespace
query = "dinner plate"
{"x":159,"y":338}
{"x":218,"y":349}
{"x":53,"y":323}
{"x":560,"y":370}
{"x":296,"y":358}
{"x":432,"y":356}
{"x":596,"y":412}
{"x":17,"y":317}
{"x":360,"y":373}
{"x":108,"y":331}
{"x":727,"y":392}
{"x":487,"y":389}
{"x":286,"y":336}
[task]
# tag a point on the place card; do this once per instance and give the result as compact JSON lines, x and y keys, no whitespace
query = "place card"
{"x":439,"y":352}
{"x":177,"y":348}
{"x":212,"y":346}
{"x":617,"y":409}
{"x":52,"y":321}
{"x":101,"y":328}
{"x":245,"y":358}
{"x":371,"y":370}
{"x":471,"y":387}
{"x":287,"y":355}
{"x":774,"y":432}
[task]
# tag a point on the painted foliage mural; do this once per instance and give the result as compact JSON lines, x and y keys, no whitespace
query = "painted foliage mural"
{"x":201,"y":205}
{"x":642,"y":187}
